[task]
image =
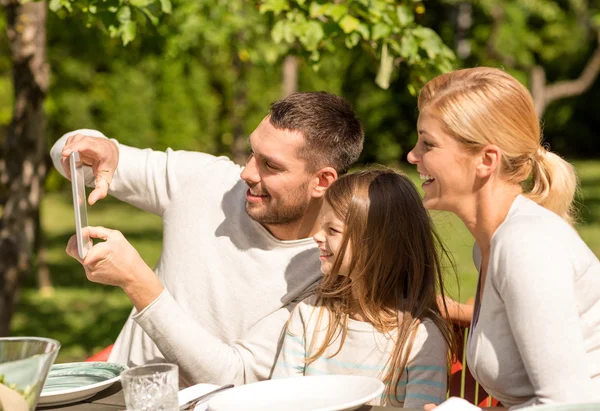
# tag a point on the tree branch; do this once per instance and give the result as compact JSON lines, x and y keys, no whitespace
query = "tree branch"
{"x":569,"y":88}
{"x":537,"y":85}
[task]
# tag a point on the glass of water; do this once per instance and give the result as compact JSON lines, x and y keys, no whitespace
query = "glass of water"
{"x":151,"y":387}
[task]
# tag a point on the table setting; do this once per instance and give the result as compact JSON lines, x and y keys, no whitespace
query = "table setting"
{"x":29,"y":381}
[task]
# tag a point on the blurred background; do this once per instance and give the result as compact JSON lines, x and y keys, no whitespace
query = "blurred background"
{"x":201,"y":74}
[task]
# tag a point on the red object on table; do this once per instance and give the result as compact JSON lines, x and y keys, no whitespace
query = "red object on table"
{"x":101,"y":355}
{"x":462,"y":384}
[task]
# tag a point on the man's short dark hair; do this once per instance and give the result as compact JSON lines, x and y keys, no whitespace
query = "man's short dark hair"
{"x":334,"y":136}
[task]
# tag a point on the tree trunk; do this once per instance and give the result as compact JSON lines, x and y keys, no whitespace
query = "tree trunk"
{"x":290,"y":75}
{"x":464,"y":21}
{"x":44,"y":279}
{"x":537,"y":80}
{"x":23,"y":168}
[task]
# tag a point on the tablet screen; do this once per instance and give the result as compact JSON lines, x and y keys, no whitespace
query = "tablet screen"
{"x":79,"y":204}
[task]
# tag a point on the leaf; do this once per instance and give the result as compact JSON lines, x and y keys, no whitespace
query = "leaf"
{"x":150,"y":16}
{"x":140,"y":3}
{"x":405,"y":15}
{"x":165,"y":6}
{"x":128,"y":31}
{"x":277,"y":33}
{"x":316,"y":10}
{"x":55,"y":5}
{"x":283,"y":30}
{"x":352,"y":40}
{"x":124,"y":14}
{"x":408,"y":46}
{"x":275,"y":6}
{"x":386,"y":67}
{"x":363,"y":29}
{"x":380,"y":30}
{"x":338,"y":11}
{"x":335,"y":11}
{"x":313,"y":33}
{"x":349,"y":23}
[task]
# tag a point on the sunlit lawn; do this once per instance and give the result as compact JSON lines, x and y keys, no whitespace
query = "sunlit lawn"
{"x":85,"y":317}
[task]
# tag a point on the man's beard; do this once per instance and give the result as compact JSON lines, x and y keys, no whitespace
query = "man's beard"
{"x":281,"y":214}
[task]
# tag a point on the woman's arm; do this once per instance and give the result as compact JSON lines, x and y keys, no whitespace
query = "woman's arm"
{"x":458,"y":313}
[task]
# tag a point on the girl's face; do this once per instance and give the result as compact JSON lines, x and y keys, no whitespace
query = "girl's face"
{"x":329,"y":240}
{"x":447,"y":170}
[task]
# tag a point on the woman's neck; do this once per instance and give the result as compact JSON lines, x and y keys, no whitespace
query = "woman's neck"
{"x":487,"y":210}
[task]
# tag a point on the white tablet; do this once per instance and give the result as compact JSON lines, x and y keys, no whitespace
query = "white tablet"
{"x":79,"y":204}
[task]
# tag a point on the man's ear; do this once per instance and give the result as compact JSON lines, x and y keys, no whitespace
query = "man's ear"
{"x":489,"y":161}
{"x":323,"y":178}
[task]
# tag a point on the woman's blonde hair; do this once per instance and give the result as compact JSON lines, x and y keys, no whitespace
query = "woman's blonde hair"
{"x":482,"y":105}
{"x":395,"y":264}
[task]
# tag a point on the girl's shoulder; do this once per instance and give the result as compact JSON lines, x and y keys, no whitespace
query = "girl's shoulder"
{"x":306,"y":308}
{"x":429,"y":341}
{"x":427,"y":329}
{"x":428,"y":333}
{"x":309,"y":303}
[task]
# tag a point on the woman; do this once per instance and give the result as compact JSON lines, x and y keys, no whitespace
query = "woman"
{"x":535,"y":335}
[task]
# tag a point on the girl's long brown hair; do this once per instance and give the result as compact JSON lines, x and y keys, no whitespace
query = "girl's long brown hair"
{"x":395,"y":265}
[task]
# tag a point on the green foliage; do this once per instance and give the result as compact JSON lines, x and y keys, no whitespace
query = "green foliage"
{"x":386,"y":29}
{"x":121,"y":18}
{"x":559,"y":36}
{"x":529,"y":32}
{"x":83,"y":320}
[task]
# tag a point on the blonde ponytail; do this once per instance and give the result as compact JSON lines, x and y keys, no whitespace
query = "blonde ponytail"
{"x":554,"y":184}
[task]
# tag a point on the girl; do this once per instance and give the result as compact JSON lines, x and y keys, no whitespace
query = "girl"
{"x":375,"y":311}
{"x":535,"y":335}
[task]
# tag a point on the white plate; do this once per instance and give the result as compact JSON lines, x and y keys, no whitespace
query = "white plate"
{"x":76,"y":381}
{"x":195,"y":391}
{"x":315,"y":393}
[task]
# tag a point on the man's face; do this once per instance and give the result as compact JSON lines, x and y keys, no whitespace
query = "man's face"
{"x":279,"y":183}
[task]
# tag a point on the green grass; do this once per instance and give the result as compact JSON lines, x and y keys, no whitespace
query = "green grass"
{"x":85,"y":316}
{"x":82,"y":315}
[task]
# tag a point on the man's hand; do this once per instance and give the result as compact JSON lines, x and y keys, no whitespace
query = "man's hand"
{"x":115,"y":262}
{"x":99,"y":153}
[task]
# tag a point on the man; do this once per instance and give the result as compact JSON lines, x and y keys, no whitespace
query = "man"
{"x":237,"y":253}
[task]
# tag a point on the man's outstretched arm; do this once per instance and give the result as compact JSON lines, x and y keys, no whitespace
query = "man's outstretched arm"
{"x":202,"y":357}
{"x":145,"y":178}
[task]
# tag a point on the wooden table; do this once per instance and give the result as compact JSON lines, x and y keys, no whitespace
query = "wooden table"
{"x":112,"y":399}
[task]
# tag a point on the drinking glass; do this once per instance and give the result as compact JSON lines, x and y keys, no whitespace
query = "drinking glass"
{"x":151,"y":387}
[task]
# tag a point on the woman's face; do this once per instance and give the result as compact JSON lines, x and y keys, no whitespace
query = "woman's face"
{"x":446,"y":168}
{"x":329,"y":240}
